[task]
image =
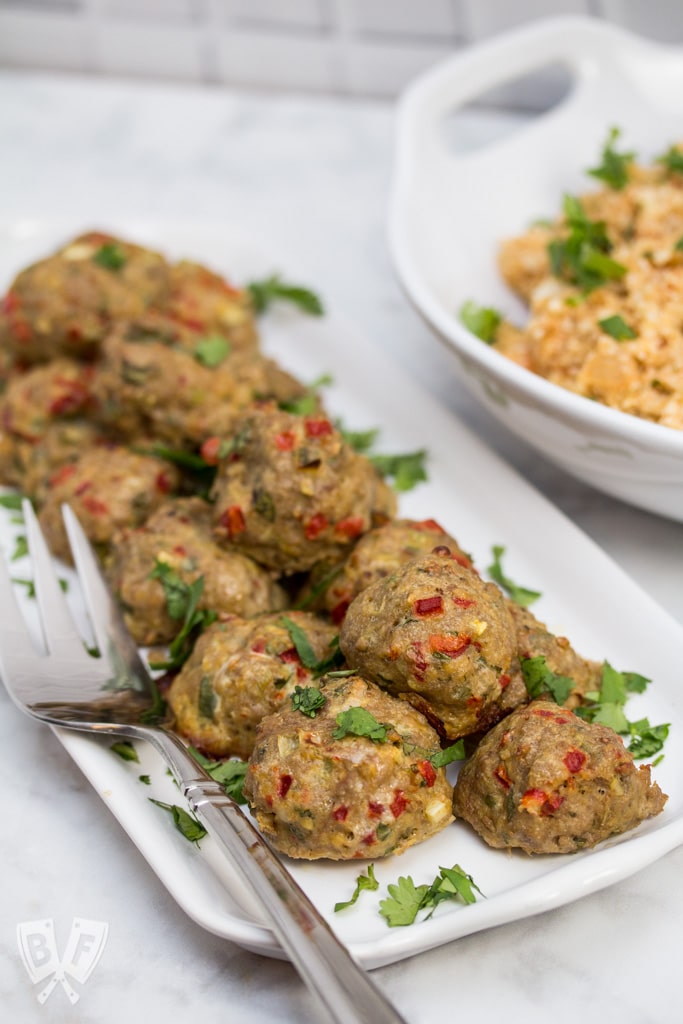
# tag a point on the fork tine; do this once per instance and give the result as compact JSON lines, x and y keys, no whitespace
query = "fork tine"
{"x":14,"y":634}
{"x":104,"y":614}
{"x":59,"y":629}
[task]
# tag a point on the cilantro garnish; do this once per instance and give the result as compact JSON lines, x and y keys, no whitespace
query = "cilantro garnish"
{"x":181,"y":603}
{"x":362,"y":882}
{"x":20,"y":548}
{"x":481,"y":320}
{"x":456,"y":752}
{"x":125,"y":750}
{"x":406,"y":470}
{"x":212,"y":350}
{"x":207,"y":700}
{"x":319,"y":588}
{"x":581,"y":258}
{"x":606,"y":706}
{"x":358,"y":721}
{"x":541,"y":681}
{"x":672,"y":160}
{"x":520,"y":595}
{"x":303,"y":647}
{"x":307,"y":403}
{"x":11,"y":501}
{"x":228,"y":774}
{"x":614,"y":167}
{"x":31,"y":587}
{"x":308,"y":700}
{"x":617,"y":328}
{"x":360,"y":440}
{"x":264,"y":293}
{"x":145,"y":780}
{"x":111,"y":256}
{"x":185,"y":822}
{"x":406,"y":900}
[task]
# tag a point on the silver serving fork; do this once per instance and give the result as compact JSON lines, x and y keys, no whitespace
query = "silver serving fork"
{"x":114,"y":695}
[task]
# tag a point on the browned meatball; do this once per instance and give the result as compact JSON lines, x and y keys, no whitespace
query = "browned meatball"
{"x":547,"y":782}
{"x":291,"y":492}
{"x":61,"y":389}
{"x":207,"y":302}
{"x":63,"y":442}
{"x":179,"y":395}
{"x":437,"y":634}
{"x":319,"y":791}
{"x":377,"y":554}
{"x":109,"y":488}
{"x":65,"y":303}
{"x":239,"y":672}
{"x":178,"y":534}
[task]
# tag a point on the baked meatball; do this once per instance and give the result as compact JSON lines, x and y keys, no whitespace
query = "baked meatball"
{"x":61,"y":389}
{"x":109,"y":488}
{"x":437,"y":634}
{"x":319,"y":791}
{"x":169,"y":392}
{"x":208,"y":303}
{"x":377,"y":554}
{"x":64,"y":442}
{"x":291,"y":492}
{"x":65,"y":303}
{"x":179,"y":535}
{"x":547,"y":782}
{"x":240,"y":671}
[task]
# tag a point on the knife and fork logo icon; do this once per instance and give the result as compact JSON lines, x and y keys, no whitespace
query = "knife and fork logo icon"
{"x":39,"y":953}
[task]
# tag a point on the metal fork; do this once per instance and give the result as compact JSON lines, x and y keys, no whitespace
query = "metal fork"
{"x":114,"y":695}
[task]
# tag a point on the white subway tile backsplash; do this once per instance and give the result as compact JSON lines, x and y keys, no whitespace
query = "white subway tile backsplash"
{"x":141,"y":50}
{"x":278,"y":61}
{"x":383,"y":70}
{"x":657,"y":19}
{"x":486,"y":17}
{"x":55,"y":41}
{"x":415,"y":18}
{"x":149,"y":10}
{"x":290,"y":14}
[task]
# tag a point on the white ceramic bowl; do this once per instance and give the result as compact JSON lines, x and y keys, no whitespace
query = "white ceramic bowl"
{"x":449,"y":211}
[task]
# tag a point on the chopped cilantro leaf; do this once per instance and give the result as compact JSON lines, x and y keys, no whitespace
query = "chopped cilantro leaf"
{"x":318,"y":588}
{"x":145,"y":780}
{"x":111,"y":256}
{"x":185,"y":822}
{"x":672,"y":160}
{"x":635,"y":683}
{"x":362,"y":882}
{"x":11,"y":501}
{"x":520,"y":595}
{"x":308,"y":700}
{"x":646,"y":739}
{"x":406,"y":470}
{"x":307,"y":403}
{"x":406,"y":899}
{"x":212,"y":350}
{"x":360,"y":440}
{"x":456,"y":752}
{"x":305,"y":651}
{"x":264,"y":293}
{"x":31,"y":587}
{"x":481,"y":320}
{"x":207,"y":700}
{"x":541,"y":681}
{"x":182,"y":600}
{"x":614,"y":167}
{"x":358,"y":721}
{"x":679,"y":245}
{"x":228,"y":774}
{"x":581,"y":258}
{"x":125,"y":750}
{"x":617,"y":328}
{"x":20,"y":548}
{"x":606,"y":707}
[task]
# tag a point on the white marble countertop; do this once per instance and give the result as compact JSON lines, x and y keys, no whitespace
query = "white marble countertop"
{"x":311,"y":175}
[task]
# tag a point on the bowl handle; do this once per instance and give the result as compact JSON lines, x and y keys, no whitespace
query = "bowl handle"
{"x":584,"y":45}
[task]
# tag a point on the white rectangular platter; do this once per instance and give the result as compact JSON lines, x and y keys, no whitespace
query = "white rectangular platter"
{"x":479,"y":499}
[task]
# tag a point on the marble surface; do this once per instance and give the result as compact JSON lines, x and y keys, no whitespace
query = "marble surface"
{"x":311,"y":175}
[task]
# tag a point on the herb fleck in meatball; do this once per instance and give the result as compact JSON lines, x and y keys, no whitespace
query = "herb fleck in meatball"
{"x":178,"y":534}
{"x":66,"y":302}
{"x":240,"y":671}
{"x":108,"y":488}
{"x":437,"y":634}
{"x":377,"y":554}
{"x":208,"y":303}
{"x":182,"y":395}
{"x":291,"y":492}
{"x":319,"y":790}
{"x":545,"y":781}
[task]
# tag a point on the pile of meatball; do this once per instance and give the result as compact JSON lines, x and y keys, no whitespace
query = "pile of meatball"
{"x":347,"y":648}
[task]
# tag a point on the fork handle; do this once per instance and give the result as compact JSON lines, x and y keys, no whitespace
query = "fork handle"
{"x":344,"y":991}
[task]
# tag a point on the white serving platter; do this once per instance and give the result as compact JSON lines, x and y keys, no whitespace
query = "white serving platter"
{"x":483,"y":502}
{"x":449,"y":211}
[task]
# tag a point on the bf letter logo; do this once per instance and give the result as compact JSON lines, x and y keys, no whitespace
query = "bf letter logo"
{"x":38,"y":948}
